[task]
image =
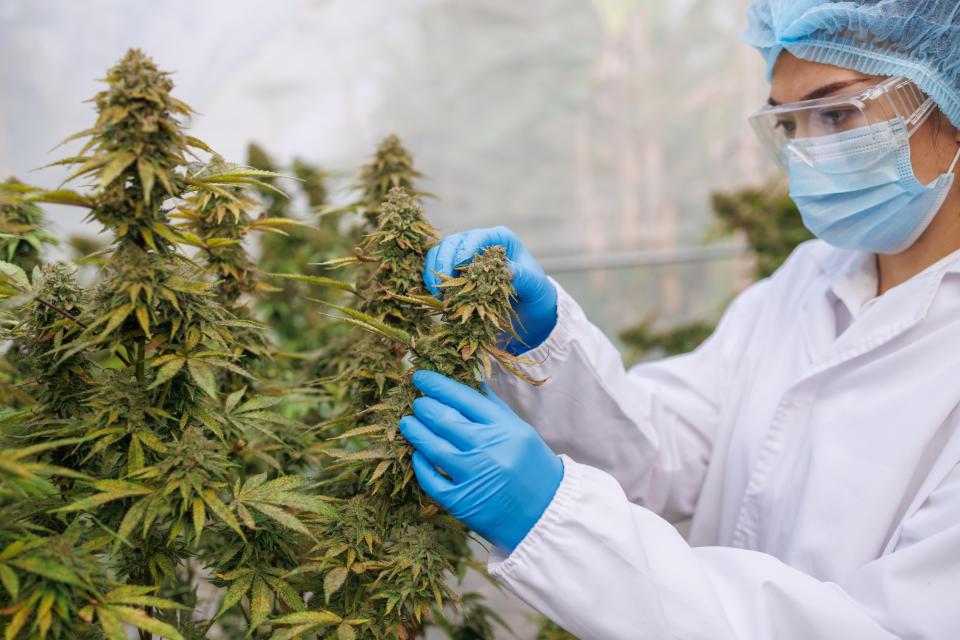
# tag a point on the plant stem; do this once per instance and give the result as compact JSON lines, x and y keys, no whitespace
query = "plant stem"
{"x":149,"y":612}
{"x":140,"y":356}
{"x":206,"y":628}
{"x":71,"y":318}
{"x":61,"y":312}
{"x":163,"y":394}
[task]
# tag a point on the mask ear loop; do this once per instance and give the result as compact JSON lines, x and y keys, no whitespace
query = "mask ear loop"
{"x":956,"y":158}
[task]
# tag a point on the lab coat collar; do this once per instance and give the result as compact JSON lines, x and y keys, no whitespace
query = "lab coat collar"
{"x":856,"y":283}
{"x":850,"y":279}
{"x":857,"y":280}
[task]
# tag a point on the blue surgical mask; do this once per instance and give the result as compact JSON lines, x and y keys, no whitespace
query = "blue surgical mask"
{"x":857,"y":200}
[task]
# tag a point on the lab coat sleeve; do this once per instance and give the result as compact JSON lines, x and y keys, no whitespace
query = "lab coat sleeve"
{"x":607,"y":569}
{"x":651,"y":427}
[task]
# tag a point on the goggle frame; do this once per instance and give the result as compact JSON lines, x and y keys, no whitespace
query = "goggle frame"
{"x":893,"y":98}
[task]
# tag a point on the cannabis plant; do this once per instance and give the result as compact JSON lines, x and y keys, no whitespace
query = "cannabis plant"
{"x":771,"y":224}
{"x":391,"y":168}
{"x":769,"y":220}
{"x":22,"y":241}
{"x":288,"y":309}
{"x":552,"y":631}
{"x":22,"y":235}
{"x":148,"y":468}
{"x":304,"y":337}
{"x":387,"y":564}
{"x":147,"y":465}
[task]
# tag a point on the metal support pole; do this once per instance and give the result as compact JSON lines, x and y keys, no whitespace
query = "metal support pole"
{"x":644,"y":258}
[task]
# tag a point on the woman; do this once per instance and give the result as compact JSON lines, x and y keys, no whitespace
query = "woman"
{"x":813,"y":438}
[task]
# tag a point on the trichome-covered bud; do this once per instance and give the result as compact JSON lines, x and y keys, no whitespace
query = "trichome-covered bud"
{"x":137,"y":146}
{"x":399,"y":246}
{"x":391,"y":167}
{"x":476,"y":315}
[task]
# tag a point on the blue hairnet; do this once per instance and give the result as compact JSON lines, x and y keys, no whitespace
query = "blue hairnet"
{"x":917,"y":39}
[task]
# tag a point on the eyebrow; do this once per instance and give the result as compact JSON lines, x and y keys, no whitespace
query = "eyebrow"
{"x":823,"y":91}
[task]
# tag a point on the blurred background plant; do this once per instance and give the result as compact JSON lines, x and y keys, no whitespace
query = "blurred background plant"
{"x":288,"y":310}
{"x":22,"y":241}
{"x":769,"y":223}
{"x":22,"y":235}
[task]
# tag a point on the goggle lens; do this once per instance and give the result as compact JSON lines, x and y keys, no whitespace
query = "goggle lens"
{"x":794,"y":131}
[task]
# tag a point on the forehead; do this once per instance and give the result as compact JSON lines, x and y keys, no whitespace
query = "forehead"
{"x":794,"y":79}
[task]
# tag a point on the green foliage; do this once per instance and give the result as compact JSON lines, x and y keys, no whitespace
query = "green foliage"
{"x":477,"y":623}
{"x":147,"y":454}
{"x":391,"y":168}
{"x":288,"y":259}
{"x":147,"y":461}
{"x":21,"y":229}
{"x":643,"y":340}
{"x":384,"y":562}
{"x":22,"y":241}
{"x":61,"y":383}
{"x":552,"y":631}
{"x":769,"y":220}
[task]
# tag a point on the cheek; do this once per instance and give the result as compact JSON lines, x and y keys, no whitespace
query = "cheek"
{"x":925,"y":156}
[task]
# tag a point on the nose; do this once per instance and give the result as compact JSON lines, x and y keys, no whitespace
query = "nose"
{"x":802,"y":125}
{"x":799,"y":153}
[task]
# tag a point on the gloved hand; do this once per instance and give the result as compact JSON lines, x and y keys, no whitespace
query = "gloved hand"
{"x":502,"y":474}
{"x":536,"y":303}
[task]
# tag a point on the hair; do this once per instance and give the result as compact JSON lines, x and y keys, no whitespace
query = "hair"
{"x":940,"y":123}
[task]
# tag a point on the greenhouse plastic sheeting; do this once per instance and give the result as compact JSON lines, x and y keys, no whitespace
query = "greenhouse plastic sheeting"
{"x":607,"y":123}
{"x":588,"y":127}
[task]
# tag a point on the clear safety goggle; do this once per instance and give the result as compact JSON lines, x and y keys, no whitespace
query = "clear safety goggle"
{"x":797,"y":130}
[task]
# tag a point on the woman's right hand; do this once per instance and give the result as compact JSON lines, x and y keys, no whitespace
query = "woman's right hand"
{"x":536,"y":301}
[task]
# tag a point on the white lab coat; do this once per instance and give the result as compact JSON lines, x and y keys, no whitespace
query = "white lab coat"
{"x":813,"y":438}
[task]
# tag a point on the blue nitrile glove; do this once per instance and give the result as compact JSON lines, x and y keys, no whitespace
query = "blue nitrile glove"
{"x":536,"y":303}
{"x":502,"y":474}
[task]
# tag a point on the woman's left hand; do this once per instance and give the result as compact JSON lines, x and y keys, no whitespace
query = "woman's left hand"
{"x":501,"y":475}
